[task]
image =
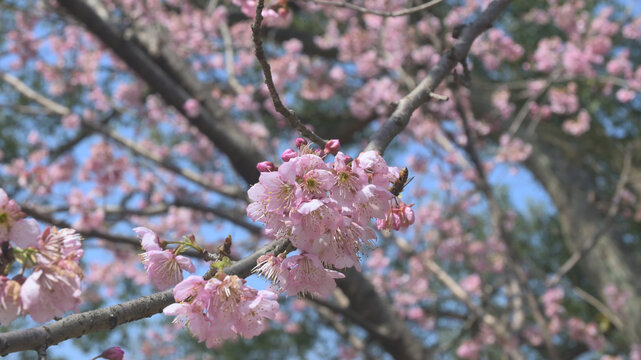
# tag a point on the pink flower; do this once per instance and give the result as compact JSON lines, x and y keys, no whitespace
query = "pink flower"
{"x":113,"y":353}
{"x":332,"y":147}
{"x":222,"y":308}
{"x":13,"y":225}
{"x":625,"y":95}
{"x":305,"y":273}
{"x":164,"y":268}
{"x":192,"y":107}
{"x":51,"y":290}
{"x":265,"y":166}
{"x":288,"y":155}
{"x":578,"y":126}
{"x":400,"y":216}
{"x":315,"y":184}
{"x":149,"y":239}
{"x":24,"y":233}
{"x":469,"y":349}
{"x":372,"y":165}
{"x":9,"y":300}
{"x":57,"y":244}
{"x":472,"y":284}
{"x":269,"y":266}
{"x":277,"y":192}
{"x":311,"y":220}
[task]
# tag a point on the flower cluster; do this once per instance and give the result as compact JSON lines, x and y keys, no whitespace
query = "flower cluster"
{"x":221,"y":308}
{"x":54,"y":285}
{"x":324,"y":210}
{"x":164,"y":266}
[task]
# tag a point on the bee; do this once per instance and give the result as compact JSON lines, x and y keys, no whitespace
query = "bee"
{"x":400,"y":183}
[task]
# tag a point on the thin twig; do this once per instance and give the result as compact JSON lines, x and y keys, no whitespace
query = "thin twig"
{"x":28,"y":92}
{"x":289,"y":114}
{"x":609,"y":221}
{"x":229,"y":58}
{"x":504,"y":234}
{"x":364,"y":10}
{"x":423,"y":92}
{"x":601,"y":307}
{"x":164,"y":162}
{"x":490,"y":320}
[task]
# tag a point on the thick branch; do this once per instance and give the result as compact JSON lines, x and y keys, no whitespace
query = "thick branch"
{"x":77,"y":325}
{"x":171,"y":79}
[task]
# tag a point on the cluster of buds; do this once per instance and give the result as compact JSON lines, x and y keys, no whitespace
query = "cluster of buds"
{"x":53,"y":286}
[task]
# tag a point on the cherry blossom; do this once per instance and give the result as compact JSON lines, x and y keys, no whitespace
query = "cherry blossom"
{"x":164,"y":267}
{"x":220,"y":309}
{"x":51,"y":290}
{"x":10,"y":306}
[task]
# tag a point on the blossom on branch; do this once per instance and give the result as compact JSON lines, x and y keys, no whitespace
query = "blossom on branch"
{"x":221,"y":308}
{"x":9,"y":300}
{"x":13,"y":225}
{"x":51,"y":290}
{"x":164,"y":267}
{"x":324,"y":209}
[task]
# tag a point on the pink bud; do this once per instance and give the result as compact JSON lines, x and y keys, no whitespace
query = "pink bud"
{"x":113,"y":353}
{"x":288,"y":155}
{"x":265,"y":166}
{"x":191,"y":107}
{"x":332,"y":147}
{"x":300,"y":142}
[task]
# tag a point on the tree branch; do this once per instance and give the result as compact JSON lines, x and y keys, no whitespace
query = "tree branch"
{"x":364,"y":10}
{"x":77,"y":325}
{"x":288,"y":114}
{"x":423,"y":92}
{"x":168,"y":75}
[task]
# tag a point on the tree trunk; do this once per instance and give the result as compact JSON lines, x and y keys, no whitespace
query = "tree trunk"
{"x":559,"y":166}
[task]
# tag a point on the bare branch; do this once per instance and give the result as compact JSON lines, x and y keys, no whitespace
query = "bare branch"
{"x":44,"y":216}
{"x":164,"y":162}
{"x":28,"y":92}
{"x":504,"y":234}
{"x":364,"y":10}
{"x":170,"y":76}
{"x":289,"y":114}
{"x":77,"y":325}
{"x":492,"y":321}
{"x":423,"y":92}
{"x":603,"y":309}
{"x":229,"y":58}
{"x":613,"y":210}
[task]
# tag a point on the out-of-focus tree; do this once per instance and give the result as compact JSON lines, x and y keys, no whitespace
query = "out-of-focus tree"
{"x":154,"y":114}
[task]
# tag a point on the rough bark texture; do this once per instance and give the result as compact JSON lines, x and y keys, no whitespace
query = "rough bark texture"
{"x":570,"y":184}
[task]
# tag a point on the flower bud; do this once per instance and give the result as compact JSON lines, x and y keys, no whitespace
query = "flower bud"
{"x":332,"y":147}
{"x":300,"y":142}
{"x":265,"y":166}
{"x":113,"y":353}
{"x":288,"y":155}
